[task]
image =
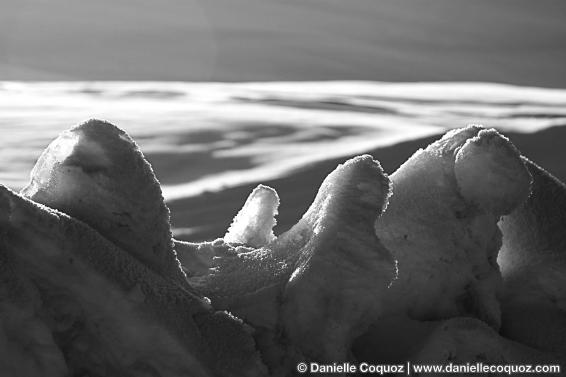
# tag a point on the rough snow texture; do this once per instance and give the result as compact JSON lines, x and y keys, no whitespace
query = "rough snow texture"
{"x":343,"y":270}
{"x":98,"y":290}
{"x":253,"y":225}
{"x":441,"y":224}
{"x":490,"y":174}
{"x":96,"y":173}
{"x":108,"y":313}
{"x":108,"y":298}
{"x":321,"y":283}
{"x":21,"y":328}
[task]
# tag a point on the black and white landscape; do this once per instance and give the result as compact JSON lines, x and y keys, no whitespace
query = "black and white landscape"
{"x":231,"y":188}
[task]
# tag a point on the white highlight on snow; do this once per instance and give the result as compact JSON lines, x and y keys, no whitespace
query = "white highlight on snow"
{"x":253,"y":225}
{"x":61,"y":148}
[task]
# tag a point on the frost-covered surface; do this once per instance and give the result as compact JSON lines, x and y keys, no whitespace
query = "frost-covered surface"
{"x":379,"y":268}
{"x":108,"y":313}
{"x":214,"y":135}
{"x":96,"y":173}
{"x":341,"y":263}
{"x":110,"y":297}
{"x":441,"y":224}
{"x":253,"y":225}
{"x":295,"y":289}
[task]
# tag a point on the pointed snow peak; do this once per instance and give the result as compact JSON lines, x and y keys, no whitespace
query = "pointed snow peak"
{"x":253,"y":225}
{"x":96,"y":173}
{"x":342,"y":270}
{"x":356,"y":191}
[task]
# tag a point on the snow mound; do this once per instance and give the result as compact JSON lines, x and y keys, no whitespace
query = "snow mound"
{"x":441,"y":224}
{"x":342,"y":271}
{"x":294,"y":289}
{"x":96,"y":173}
{"x":90,"y":281}
{"x":490,"y":175}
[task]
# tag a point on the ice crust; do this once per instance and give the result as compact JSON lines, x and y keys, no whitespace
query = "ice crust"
{"x":395,"y":268}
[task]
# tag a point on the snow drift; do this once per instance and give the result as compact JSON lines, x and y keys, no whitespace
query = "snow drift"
{"x":439,"y":261}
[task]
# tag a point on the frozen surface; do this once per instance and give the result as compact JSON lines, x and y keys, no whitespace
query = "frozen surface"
{"x":380,"y":267}
{"x":319,"y":285}
{"x":489,"y":173}
{"x":103,"y":286}
{"x":253,"y":225}
{"x":108,"y":313}
{"x":343,"y":270}
{"x":96,"y":173}
{"x":441,"y":224}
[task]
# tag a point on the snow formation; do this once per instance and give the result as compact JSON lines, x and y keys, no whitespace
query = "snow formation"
{"x":457,"y":256}
{"x":253,"y":225}
{"x":441,"y":224}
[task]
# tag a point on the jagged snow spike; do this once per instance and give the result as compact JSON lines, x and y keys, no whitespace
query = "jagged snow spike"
{"x":253,"y":225}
